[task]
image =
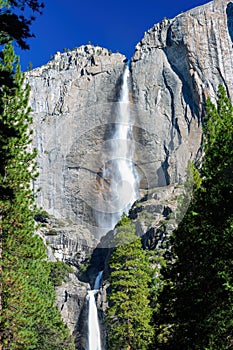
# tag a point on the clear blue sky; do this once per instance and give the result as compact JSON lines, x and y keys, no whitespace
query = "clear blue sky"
{"x":116,"y":25}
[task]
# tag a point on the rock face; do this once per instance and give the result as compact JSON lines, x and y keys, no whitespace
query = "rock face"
{"x":72,"y":97}
{"x":177,"y":64}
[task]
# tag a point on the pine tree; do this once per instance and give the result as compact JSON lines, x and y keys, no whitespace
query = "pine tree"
{"x":198,"y":302}
{"x":29,"y":318}
{"x":129,"y":315}
{"x":14,"y":24}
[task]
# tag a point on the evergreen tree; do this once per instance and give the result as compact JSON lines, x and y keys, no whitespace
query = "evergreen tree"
{"x":198,"y":300}
{"x":29,"y":318}
{"x":129,"y":314}
{"x":14,"y":24}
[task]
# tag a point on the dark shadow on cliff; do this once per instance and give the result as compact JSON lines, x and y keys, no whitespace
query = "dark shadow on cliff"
{"x":177,"y":55}
{"x":81,"y":329}
{"x":98,"y":260}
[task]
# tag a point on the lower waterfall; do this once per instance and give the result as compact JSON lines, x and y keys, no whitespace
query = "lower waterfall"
{"x":94,"y":342}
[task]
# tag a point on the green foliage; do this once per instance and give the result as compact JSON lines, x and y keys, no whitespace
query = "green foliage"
{"x":217,"y":168}
{"x":14,"y":25}
{"x":125,"y":220}
{"x":29,"y":318}
{"x":59,"y":272}
{"x":51,"y":233}
{"x":193,"y":179}
{"x":197,"y":303}
{"x":30,"y":66}
{"x":44,"y":214}
{"x":129,"y":315}
{"x":192,"y":184}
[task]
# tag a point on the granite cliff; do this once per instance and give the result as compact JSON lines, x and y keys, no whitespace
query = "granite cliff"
{"x":177,"y":64}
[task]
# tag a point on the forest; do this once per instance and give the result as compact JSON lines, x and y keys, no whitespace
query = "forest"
{"x":176,"y":298}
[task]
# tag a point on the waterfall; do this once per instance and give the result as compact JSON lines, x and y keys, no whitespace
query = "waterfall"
{"x":94,"y":342}
{"x":120,"y":178}
{"x":98,"y":280}
{"x":118,"y":182}
{"x":123,"y":151}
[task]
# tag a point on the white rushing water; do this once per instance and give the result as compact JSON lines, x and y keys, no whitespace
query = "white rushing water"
{"x":124,"y":150}
{"x":94,"y":342}
{"x":119,"y":189}
{"x":119,"y":170}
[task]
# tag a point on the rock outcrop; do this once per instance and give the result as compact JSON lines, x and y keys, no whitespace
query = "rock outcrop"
{"x":177,"y":64}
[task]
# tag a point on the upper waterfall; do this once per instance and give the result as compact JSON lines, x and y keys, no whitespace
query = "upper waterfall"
{"x":119,"y":188}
